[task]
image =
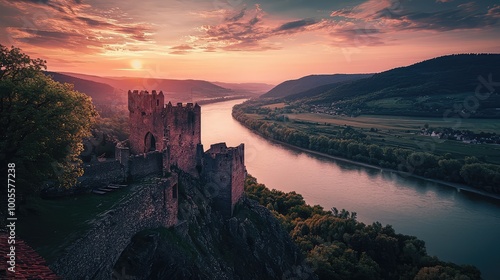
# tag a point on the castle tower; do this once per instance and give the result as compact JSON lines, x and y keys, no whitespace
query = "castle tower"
{"x":146,"y":113}
{"x":183,"y":124}
{"x":224,"y":170}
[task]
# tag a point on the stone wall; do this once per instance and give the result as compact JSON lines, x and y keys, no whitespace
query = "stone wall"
{"x":238,"y":173}
{"x":98,"y":174}
{"x":146,"y":164}
{"x":224,"y":171}
{"x":94,"y":255}
{"x":184,"y":135}
{"x":146,"y":118}
{"x":155,"y":126}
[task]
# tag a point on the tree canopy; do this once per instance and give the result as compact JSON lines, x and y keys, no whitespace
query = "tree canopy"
{"x":337,"y":246}
{"x":43,"y":123}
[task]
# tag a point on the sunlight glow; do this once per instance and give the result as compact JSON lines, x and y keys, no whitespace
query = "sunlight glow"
{"x":136,"y":64}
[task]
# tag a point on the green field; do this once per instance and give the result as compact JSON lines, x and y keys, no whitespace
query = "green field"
{"x":401,"y":123}
{"x":275,"y":106}
{"x":403,"y":132}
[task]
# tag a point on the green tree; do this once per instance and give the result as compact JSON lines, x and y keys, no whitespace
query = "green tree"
{"x":43,"y":123}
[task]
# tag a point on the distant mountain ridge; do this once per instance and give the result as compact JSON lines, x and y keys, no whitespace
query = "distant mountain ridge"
{"x":251,"y":88}
{"x":428,"y":88}
{"x":306,"y":83}
{"x":99,"y":92}
{"x":114,"y":89}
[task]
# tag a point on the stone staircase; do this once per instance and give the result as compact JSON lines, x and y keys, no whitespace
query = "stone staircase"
{"x":109,"y":188}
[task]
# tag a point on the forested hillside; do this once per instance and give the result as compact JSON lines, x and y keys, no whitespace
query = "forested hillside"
{"x":337,"y":246}
{"x":306,"y":83}
{"x":455,"y":84}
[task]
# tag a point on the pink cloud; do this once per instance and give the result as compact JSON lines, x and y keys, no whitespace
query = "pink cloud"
{"x":393,"y":17}
{"x":70,"y":25}
{"x":494,"y":12}
{"x":250,"y":30}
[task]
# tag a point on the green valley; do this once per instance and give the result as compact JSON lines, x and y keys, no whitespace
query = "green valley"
{"x":437,"y":119}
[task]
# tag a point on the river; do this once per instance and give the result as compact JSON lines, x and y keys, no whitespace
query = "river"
{"x":456,"y":226}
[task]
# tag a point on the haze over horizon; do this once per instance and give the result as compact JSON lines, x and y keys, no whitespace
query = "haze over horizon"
{"x":245,"y":40}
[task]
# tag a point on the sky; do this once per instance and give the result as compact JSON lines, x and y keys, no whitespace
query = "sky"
{"x":245,"y":40}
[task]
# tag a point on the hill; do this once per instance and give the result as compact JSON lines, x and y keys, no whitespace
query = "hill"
{"x":177,"y":90}
{"x":254,"y":89}
{"x":453,"y":84}
{"x":306,"y":83}
{"x":100,"y":92}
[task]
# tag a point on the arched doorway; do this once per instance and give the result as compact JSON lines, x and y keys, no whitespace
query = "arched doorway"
{"x":149,"y":143}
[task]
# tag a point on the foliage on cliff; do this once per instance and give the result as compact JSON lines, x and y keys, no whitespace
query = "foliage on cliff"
{"x":43,"y":122}
{"x":337,"y":246}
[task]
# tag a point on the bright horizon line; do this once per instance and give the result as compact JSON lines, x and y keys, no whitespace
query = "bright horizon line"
{"x":245,"y":42}
{"x":146,"y":71}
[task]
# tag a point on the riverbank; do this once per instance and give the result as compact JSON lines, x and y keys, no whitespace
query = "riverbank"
{"x":457,"y":186}
{"x":221,"y":99}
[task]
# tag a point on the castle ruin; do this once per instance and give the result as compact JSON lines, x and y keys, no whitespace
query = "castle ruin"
{"x":175,"y":132}
{"x":165,"y":141}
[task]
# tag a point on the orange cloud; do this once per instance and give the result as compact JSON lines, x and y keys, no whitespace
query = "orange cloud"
{"x":71,"y":26}
{"x":248,"y":30}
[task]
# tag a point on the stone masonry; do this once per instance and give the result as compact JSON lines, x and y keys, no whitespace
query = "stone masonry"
{"x":175,"y":131}
{"x":224,"y":169}
{"x":94,"y":254}
{"x":164,"y":140}
{"x":155,"y":126}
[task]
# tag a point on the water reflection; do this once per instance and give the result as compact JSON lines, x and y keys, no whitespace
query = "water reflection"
{"x":456,"y":226}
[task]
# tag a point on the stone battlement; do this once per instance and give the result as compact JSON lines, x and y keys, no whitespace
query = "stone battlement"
{"x":181,"y":105}
{"x":157,"y":127}
{"x":143,"y":93}
{"x":164,"y":139}
{"x":175,"y":130}
{"x":225,"y":169}
{"x":145,"y":103}
{"x":222,"y":152}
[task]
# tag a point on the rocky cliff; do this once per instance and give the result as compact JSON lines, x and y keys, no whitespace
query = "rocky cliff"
{"x":250,"y":245}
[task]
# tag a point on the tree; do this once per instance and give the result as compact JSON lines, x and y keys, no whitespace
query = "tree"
{"x":43,"y":123}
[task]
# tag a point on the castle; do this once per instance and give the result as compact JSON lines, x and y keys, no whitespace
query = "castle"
{"x":165,"y":141}
{"x":168,"y":137}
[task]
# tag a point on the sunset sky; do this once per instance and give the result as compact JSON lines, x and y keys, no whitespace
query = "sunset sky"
{"x":245,"y":40}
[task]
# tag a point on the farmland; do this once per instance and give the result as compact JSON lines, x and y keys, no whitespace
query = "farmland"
{"x":400,"y":132}
{"x":463,"y":151}
{"x":400,"y":122}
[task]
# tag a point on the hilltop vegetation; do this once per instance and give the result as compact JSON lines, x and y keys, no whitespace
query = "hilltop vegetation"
{"x":449,"y":86}
{"x":100,"y":93}
{"x":307,"y":83}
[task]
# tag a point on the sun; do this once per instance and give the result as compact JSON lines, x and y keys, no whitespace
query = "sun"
{"x":136,"y":64}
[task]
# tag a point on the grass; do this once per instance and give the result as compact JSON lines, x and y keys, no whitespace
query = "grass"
{"x":275,"y":106}
{"x":50,"y":225}
{"x":401,"y":123}
{"x":391,"y":103}
{"x":401,"y":132}
{"x":434,"y":100}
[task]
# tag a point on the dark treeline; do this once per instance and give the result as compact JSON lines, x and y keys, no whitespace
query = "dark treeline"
{"x":337,"y":246}
{"x":351,"y":144}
